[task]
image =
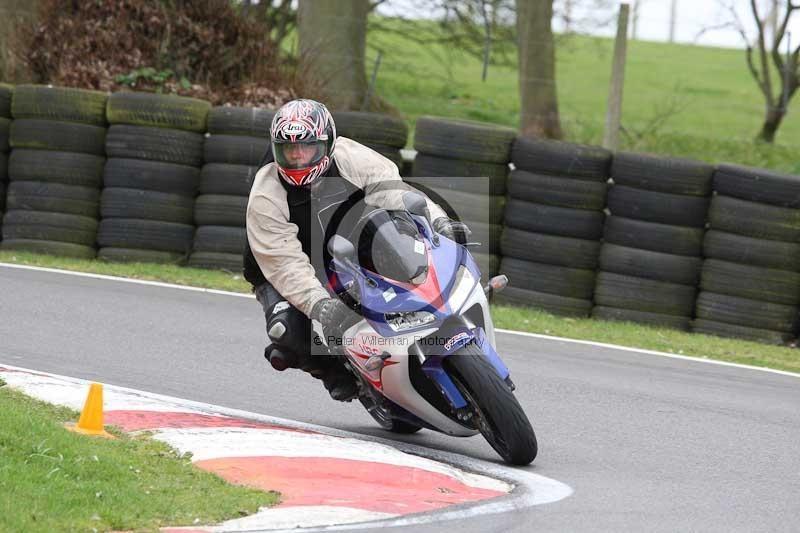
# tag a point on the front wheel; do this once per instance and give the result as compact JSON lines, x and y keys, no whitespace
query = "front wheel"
{"x":500,"y":417}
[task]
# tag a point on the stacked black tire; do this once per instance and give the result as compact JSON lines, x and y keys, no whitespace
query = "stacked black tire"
{"x":463,"y":166}
{"x":237,"y":142}
{"x":751,"y":276}
{"x":155,"y":151}
{"x":652,"y":252}
{"x":383,"y":133}
{"x":55,"y":170}
{"x":553,"y":225}
{"x":6,"y":91}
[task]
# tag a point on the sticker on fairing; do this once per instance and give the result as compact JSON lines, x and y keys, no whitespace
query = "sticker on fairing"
{"x":458,"y":337}
{"x":419,"y":247}
{"x":389,"y":295}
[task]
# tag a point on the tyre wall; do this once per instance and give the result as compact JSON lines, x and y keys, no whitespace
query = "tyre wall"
{"x":383,"y":133}
{"x":55,"y":170}
{"x":463,"y":165}
{"x":651,"y":257}
{"x":750,"y":280}
{"x":236,"y":142}
{"x":664,"y":241}
{"x":155,"y":151}
{"x":553,"y":225}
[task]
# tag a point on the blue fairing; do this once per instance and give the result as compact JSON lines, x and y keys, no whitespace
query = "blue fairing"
{"x":387,"y":296}
{"x":491,"y":354}
{"x":433,"y":369}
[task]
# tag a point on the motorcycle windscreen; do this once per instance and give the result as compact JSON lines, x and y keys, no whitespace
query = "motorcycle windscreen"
{"x":390,"y":245}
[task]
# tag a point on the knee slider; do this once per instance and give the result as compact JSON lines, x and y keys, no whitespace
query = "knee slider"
{"x":288,"y":329}
{"x":278,"y":322}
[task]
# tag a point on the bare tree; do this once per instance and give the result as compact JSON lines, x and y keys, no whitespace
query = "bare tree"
{"x":14,"y":15}
{"x":332,"y":35}
{"x":673,"y":15}
{"x":479,"y":26}
{"x":278,"y":17}
{"x":776,"y":74}
{"x":582,"y":16}
{"x":483,"y":29}
{"x":537,"y":78}
{"x":772,"y":17}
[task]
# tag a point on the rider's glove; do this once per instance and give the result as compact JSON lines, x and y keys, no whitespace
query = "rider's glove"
{"x":452,"y":229}
{"x":335,"y":317}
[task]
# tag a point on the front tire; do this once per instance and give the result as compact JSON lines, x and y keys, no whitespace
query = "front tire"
{"x":500,"y":418}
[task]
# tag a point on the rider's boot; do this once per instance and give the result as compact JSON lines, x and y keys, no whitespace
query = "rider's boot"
{"x":338,"y":381}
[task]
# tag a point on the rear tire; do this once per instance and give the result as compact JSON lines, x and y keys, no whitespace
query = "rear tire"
{"x":384,"y":418}
{"x":501,"y":419}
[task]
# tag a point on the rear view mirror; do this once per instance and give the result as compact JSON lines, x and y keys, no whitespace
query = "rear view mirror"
{"x":341,"y":249}
{"x":415,"y":204}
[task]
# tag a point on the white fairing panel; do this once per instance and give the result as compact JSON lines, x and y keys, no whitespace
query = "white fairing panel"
{"x":398,"y":388}
{"x":477,"y":296}
{"x":393,"y":380}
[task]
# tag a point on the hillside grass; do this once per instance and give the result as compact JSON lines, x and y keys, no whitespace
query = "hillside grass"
{"x":691,"y":101}
{"x":516,"y":318}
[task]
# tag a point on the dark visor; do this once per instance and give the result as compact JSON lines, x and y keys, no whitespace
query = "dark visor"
{"x":300,"y":154}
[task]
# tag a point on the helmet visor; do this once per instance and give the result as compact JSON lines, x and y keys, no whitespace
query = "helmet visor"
{"x":298,"y":155}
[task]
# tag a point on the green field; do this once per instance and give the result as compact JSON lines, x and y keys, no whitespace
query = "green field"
{"x":690,"y":101}
{"x":54,"y":480}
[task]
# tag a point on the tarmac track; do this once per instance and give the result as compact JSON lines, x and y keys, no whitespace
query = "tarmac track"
{"x":647,"y":443}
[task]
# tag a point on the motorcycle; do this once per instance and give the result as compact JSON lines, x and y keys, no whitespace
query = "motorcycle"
{"x":423,"y":351}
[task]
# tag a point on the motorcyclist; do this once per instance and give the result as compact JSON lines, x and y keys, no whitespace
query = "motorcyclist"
{"x":290,"y":205}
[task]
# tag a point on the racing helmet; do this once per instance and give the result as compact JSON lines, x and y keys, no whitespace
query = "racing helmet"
{"x":303,"y":136}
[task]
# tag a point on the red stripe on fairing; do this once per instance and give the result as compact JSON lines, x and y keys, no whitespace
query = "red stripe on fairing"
{"x":363,"y":485}
{"x":364,"y":372}
{"x":429,"y":290}
{"x":139,"y":420}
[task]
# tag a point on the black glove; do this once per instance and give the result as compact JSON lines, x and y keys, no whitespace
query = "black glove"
{"x":334,"y":316}
{"x":452,"y":229}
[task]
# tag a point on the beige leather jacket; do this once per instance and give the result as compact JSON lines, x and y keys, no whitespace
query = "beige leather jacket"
{"x":273,"y":239}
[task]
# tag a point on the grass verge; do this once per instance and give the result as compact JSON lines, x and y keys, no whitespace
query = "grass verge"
{"x":648,"y":338}
{"x":196,"y":277}
{"x":521,"y":319}
{"x":54,"y":480}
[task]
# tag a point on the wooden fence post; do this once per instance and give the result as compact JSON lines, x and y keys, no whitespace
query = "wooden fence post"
{"x":614,"y":108}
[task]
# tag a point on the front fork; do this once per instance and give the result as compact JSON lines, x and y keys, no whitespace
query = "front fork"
{"x":452,"y":340}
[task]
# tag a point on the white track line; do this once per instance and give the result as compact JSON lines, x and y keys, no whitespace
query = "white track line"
{"x":287,"y":518}
{"x":529,"y":489}
{"x":694,"y":359}
{"x":126,"y":280}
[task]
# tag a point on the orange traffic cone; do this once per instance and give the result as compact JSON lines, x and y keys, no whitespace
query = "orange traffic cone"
{"x":91,"y":420}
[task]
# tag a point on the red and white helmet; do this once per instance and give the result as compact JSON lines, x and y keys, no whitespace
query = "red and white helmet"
{"x":303,"y":135}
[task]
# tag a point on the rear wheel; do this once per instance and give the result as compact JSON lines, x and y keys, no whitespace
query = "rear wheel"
{"x":500,"y":418}
{"x":384,"y":418}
